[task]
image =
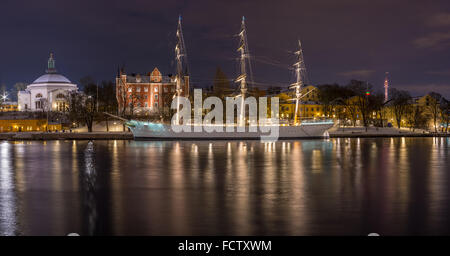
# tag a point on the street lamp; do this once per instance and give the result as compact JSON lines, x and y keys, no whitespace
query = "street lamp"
{"x":4,"y":96}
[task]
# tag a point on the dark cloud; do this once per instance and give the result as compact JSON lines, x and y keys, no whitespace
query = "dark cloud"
{"x":435,"y":40}
{"x":440,"y":19}
{"x":358,"y":74}
{"x":439,"y":72}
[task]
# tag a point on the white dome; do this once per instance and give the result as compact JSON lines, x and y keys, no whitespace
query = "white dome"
{"x":52,"y":78}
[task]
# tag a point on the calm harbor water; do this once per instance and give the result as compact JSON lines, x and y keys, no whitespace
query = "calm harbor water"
{"x":391,"y":186}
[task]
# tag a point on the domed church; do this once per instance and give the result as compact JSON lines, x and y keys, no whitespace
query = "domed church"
{"x":49,"y":92}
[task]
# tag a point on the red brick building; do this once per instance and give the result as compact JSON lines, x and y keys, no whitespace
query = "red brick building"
{"x":147,"y":93}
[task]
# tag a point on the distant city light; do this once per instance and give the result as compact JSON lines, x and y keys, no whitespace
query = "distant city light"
{"x":5,"y":96}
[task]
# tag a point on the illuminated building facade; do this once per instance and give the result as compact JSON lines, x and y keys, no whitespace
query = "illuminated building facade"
{"x":309,"y":107}
{"x":147,"y":93}
{"x":9,"y":106}
{"x":49,"y":92}
{"x":28,"y":125}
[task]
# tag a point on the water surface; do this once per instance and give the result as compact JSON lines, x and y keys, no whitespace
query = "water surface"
{"x":391,"y":186}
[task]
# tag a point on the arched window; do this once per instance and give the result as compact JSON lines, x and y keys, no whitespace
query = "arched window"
{"x":60,"y":96}
{"x":39,"y":95}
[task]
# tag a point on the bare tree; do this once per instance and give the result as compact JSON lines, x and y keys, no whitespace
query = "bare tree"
{"x":377,"y":104}
{"x":434,"y":107}
{"x":352,"y":110}
{"x":82,"y":109}
{"x":400,"y":103}
{"x":165,"y":110}
{"x":362,"y":103}
{"x":134,"y":104}
{"x":18,"y":87}
{"x":361,"y":90}
{"x":331,"y":95}
{"x":415,"y":117}
{"x":122,"y":89}
{"x":445,"y":112}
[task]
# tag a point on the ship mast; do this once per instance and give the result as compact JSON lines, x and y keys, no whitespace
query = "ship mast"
{"x":300,"y":74}
{"x":181,"y":60}
{"x":242,"y":78}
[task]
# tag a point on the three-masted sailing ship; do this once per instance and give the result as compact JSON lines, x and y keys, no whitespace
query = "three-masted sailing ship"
{"x":298,"y":129}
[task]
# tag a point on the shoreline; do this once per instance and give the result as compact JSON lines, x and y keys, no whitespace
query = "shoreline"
{"x":15,"y":136}
{"x":372,"y":135}
{"x":29,"y":136}
{"x":381,"y":132}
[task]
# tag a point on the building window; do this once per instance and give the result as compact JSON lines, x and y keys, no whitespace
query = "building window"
{"x":138,"y":89}
{"x":146,"y":104}
{"x":60,"y":96}
{"x":130,"y":89}
{"x":156,"y":96}
{"x":165,"y":89}
{"x":156,"y":89}
{"x":145,"y":96}
{"x":61,"y":106}
{"x":26,"y":106}
{"x":145,"y":89}
{"x":38,"y":95}
{"x":156,"y":104}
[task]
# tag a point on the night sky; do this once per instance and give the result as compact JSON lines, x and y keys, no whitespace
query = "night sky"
{"x":341,"y":39}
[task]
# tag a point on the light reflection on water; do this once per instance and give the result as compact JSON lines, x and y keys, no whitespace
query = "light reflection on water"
{"x":340,"y":186}
{"x":8,"y":207}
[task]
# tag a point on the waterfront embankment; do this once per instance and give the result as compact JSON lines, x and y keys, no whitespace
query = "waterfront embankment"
{"x":66,"y":136}
{"x":373,"y":132}
{"x":335,"y":132}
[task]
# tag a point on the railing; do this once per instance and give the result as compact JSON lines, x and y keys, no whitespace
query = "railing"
{"x":317,"y":121}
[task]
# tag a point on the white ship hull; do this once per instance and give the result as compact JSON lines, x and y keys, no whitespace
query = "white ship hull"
{"x":153,"y":131}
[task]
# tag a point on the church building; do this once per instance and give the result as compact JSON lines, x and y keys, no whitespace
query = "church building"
{"x":49,"y":92}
